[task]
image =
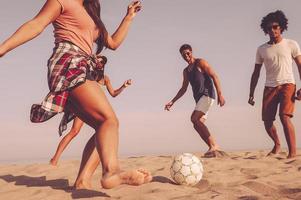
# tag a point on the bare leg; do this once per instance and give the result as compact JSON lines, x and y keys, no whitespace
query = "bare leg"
{"x":77,"y":124}
{"x":290,"y":137}
{"x":89,"y":163}
{"x":198,"y":124}
{"x":92,"y":106}
{"x":272,"y":132}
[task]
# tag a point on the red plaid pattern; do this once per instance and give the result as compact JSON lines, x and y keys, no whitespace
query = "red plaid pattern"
{"x":68,"y":67}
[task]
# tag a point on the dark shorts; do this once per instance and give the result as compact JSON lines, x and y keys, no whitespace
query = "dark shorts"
{"x":283,"y":95}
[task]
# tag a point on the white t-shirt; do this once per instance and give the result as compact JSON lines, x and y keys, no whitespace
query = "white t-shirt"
{"x":278,"y":61}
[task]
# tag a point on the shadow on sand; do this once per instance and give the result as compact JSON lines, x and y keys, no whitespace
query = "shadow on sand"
{"x":162,"y":179}
{"x":57,"y":184}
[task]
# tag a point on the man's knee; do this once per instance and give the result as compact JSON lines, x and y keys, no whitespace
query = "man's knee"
{"x":285,"y":118}
{"x":197,"y":119}
{"x":268,"y":124}
{"x":194,"y":119}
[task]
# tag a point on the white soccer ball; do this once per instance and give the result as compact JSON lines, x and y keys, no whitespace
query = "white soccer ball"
{"x":186,"y":169}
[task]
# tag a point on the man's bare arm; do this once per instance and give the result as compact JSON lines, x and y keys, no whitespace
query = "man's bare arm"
{"x":253,"y":84}
{"x":298,"y":63}
{"x":180,"y":93}
{"x":204,"y":66}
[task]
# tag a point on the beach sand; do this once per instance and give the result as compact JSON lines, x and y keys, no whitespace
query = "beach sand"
{"x":244,"y":175}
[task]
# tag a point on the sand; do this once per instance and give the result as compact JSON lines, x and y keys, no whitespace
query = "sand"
{"x":244,"y":175}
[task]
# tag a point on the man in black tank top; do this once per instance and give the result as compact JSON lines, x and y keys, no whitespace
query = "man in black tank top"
{"x":202,"y":79}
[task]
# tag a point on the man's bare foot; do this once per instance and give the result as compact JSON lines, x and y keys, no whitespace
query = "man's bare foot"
{"x":214,"y":147}
{"x":82,"y":185}
{"x":291,"y":155}
{"x":215,"y":154}
{"x":275,"y":150}
{"x":210,"y":154}
{"x":53,"y":162}
{"x":132,"y":177}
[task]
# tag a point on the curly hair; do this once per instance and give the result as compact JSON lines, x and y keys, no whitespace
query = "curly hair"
{"x":278,"y":17}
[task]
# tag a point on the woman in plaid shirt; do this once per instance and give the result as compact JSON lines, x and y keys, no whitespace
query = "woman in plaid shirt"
{"x":71,"y":79}
{"x":105,"y":83}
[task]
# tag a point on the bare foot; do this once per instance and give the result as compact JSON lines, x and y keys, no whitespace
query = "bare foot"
{"x":147,"y":175}
{"x":291,"y":155}
{"x":210,"y":154}
{"x":53,"y":162}
{"x":132,"y":177}
{"x":275,"y":150}
{"x":215,"y":154}
{"x":82,"y":185}
{"x":214,"y":147}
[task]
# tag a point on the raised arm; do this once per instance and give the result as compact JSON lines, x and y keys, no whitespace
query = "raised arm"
{"x":116,"y":92}
{"x":180,"y":93}
{"x":32,"y":28}
{"x":204,"y":65}
{"x":119,"y":35}
{"x":253,"y":84}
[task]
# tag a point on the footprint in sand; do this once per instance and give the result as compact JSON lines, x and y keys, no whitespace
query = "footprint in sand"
{"x":250,"y":172}
{"x":248,"y":198}
{"x":294,"y":162}
{"x":156,"y":190}
{"x":235,"y":157}
{"x":292,"y":193}
{"x":262,"y":189}
{"x":251,"y":157}
{"x":291,"y":190}
{"x":280,"y":158}
{"x":247,"y":153}
{"x":203,"y":186}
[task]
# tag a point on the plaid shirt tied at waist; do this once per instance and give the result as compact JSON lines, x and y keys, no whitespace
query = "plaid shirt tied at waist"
{"x":68,"y":67}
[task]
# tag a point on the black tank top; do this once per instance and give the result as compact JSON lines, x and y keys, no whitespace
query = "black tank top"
{"x":200,"y":82}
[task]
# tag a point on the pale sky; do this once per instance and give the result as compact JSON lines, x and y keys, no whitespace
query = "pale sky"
{"x":225,"y":33}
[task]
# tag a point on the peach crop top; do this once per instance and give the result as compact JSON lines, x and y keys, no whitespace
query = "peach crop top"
{"x":75,"y":25}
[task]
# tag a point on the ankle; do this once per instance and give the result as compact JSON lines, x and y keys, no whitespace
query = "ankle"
{"x":110,"y":170}
{"x":82,"y":184}
{"x":109,"y":180}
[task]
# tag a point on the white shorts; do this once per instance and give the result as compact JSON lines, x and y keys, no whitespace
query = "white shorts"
{"x":204,"y":104}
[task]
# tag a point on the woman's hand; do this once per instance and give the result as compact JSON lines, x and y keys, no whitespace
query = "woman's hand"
{"x":127,"y":83}
{"x":119,"y":35}
{"x":133,"y":8}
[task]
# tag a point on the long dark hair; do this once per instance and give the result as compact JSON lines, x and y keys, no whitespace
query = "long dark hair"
{"x":93,"y":9}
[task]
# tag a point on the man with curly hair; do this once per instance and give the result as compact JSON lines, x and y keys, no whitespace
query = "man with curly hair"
{"x":277,"y":55}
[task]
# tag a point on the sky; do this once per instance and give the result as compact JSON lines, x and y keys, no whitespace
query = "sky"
{"x":225,"y":33}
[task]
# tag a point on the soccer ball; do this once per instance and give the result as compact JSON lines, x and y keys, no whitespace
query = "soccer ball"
{"x":186,"y":169}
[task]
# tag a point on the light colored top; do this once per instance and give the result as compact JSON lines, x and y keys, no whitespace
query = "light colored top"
{"x":102,"y":86}
{"x":75,"y":25}
{"x":278,"y":61}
